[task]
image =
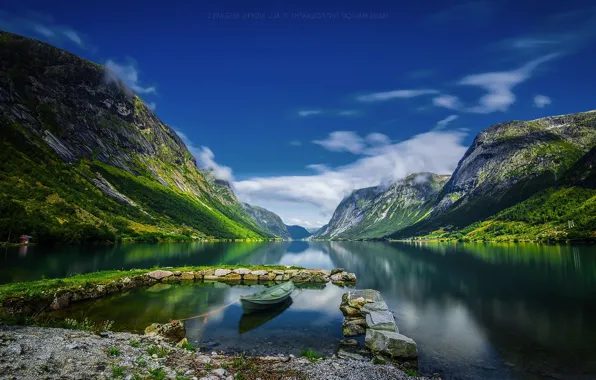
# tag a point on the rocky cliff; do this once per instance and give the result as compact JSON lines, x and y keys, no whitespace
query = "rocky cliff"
{"x":267,"y":220}
{"x":84,"y":158}
{"x":298,"y":232}
{"x":507,"y":164}
{"x":378,"y":211}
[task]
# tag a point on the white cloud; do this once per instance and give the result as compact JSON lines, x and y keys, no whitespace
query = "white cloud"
{"x":348,"y":113}
{"x":541,"y":101}
{"x":128,"y":74}
{"x":447,"y":101}
{"x":376,"y":138}
{"x":314,"y":197}
{"x":152,"y":106}
{"x":499,"y":85}
{"x":320,"y":168}
{"x":73,"y":36}
{"x":444,"y":122}
{"x":340,"y":141}
{"x":309,"y":112}
{"x":396,"y":94}
{"x":206,"y":159}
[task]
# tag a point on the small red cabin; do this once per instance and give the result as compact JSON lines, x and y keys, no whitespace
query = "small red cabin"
{"x":24,"y":239}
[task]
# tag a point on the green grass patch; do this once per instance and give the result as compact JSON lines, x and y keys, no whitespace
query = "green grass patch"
{"x":117,"y":372}
{"x":114,"y":351}
{"x":311,"y":355}
{"x":157,"y":374}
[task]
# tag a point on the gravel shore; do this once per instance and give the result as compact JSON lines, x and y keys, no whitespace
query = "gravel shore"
{"x":52,"y":353}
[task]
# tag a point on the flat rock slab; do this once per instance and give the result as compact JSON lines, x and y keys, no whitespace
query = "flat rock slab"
{"x":391,"y":344}
{"x":367,"y":294}
{"x":381,"y":320}
{"x":159,"y":274}
{"x":222,"y":272}
{"x":378,"y":306}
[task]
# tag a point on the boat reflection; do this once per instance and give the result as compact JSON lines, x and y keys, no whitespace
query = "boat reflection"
{"x":255,"y":318}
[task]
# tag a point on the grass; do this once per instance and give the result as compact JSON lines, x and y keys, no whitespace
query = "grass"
{"x":412,"y":372}
{"x":189,"y":347}
{"x":157,"y":374}
{"x":311,"y":355}
{"x":117,"y":372}
{"x":47,"y":320}
{"x":140,"y":362}
{"x":114,"y":351}
{"x":160,"y":351}
{"x":134,"y":343}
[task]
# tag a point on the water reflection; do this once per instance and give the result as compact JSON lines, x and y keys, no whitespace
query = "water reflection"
{"x":476,"y":310}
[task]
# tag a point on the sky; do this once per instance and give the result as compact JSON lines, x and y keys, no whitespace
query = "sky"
{"x":298,"y":103}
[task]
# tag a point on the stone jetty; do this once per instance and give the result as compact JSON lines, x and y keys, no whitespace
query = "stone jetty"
{"x":366,"y":313}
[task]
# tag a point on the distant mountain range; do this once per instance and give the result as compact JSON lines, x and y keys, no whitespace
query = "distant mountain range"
{"x":532,"y":180}
{"x":298,"y":232}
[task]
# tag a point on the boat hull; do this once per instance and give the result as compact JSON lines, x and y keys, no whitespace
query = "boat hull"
{"x":253,"y":305}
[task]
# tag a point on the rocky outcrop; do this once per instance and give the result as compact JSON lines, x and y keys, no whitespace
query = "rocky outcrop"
{"x":375,"y":212}
{"x":366,"y":312}
{"x":267,"y":220}
{"x":174,"y":331}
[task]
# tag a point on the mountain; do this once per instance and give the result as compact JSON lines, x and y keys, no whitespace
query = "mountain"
{"x":82,"y":158}
{"x":298,"y":232}
{"x":312,"y":230}
{"x":506,"y":165}
{"x":374,"y":212}
{"x":267,"y":220}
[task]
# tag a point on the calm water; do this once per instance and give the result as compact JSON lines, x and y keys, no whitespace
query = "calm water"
{"x":492,"y":311}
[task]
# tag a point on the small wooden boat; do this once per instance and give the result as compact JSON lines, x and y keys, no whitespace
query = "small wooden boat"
{"x":257,"y":318}
{"x":267,"y":297}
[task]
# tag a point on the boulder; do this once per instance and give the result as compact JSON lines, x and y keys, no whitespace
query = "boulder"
{"x":355,"y":321}
{"x":348,"y":277}
{"x":336,"y":270}
{"x":374,"y":306}
{"x":353,"y":330}
{"x":250,"y":277}
{"x":367,"y":294}
{"x":173,"y":331}
{"x":60,"y":301}
{"x":259,"y":272}
{"x":199,"y":275}
{"x":187,"y":276}
{"x":242,"y":271}
{"x":231,"y":277}
{"x":391,"y":344}
{"x":349,"y":311}
{"x":177,"y":273}
{"x":381,"y":320}
{"x":160,"y":274}
{"x":348,"y":342}
{"x":222,"y":272}
{"x":302,"y":277}
{"x":336,"y":277}
{"x":353,"y":353}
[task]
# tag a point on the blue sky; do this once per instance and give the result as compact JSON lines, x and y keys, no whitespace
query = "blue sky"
{"x":298,"y":103}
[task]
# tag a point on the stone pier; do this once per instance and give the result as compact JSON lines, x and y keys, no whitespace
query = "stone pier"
{"x":366,"y":313}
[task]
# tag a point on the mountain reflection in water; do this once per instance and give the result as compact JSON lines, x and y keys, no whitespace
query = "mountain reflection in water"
{"x":492,"y":311}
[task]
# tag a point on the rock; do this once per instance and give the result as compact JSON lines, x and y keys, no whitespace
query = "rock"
{"x":222,"y":272}
{"x":367,"y":294}
{"x":250,"y":277}
{"x":279,"y":277}
{"x":374,"y":306}
{"x":187,"y":276}
{"x":355,"y":321}
{"x":160,"y":274}
{"x":336,"y":270}
{"x":348,"y":277}
{"x":336,"y":277}
{"x":350,"y":311}
{"x":60,"y":301}
{"x":352,"y":353}
{"x":348,"y":342}
{"x":352,"y":330}
{"x":15,"y":348}
{"x":199,"y":275}
{"x":104,"y":334}
{"x":231,"y":277}
{"x":391,"y":344}
{"x":381,"y":320}
{"x":177,"y":273}
{"x":220,"y":372}
{"x":259,"y":272}
{"x":173,"y":331}
{"x":242,"y":271}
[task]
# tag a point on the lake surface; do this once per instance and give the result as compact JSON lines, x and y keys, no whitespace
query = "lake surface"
{"x":491,"y":311}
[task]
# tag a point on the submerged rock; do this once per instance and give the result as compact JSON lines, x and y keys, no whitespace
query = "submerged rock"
{"x":390,"y":343}
{"x":173,"y":331}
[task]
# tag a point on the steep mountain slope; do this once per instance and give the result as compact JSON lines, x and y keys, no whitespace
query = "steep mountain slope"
{"x":82,"y":158}
{"x":377,"y":211}
{"x":565,"y":211}
{"x":298,"y":232}
{"x":506,"y":164}
{"x":267,"y":220}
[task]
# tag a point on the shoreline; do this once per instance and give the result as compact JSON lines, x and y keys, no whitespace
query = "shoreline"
{"x":54,"y":353}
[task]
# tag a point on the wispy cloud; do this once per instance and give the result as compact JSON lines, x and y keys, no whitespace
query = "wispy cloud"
{"x":444,"y":122}
{"x":349,"y":141}
{"x":304,"y":113}
{"x":434,"y":151}
{"x":319,"y":168}
{"x":128,"y":74}
{"x":498,"y":85}
{"x":206,"y":159}
{"x":41,"y":26}
{"x":395,"y":94}
{"x":541,"y":101}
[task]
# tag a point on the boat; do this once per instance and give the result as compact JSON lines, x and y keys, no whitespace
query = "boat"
{"x":252,"y":320}
{"x":267,"y":297}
